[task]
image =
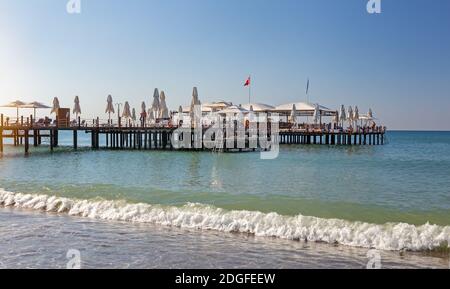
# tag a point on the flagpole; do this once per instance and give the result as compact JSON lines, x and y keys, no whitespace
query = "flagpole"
{"x":249,"y":89}
{"x":307,"y":98}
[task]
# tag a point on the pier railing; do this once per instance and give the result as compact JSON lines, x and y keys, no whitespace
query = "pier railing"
{"x":161,"y":137}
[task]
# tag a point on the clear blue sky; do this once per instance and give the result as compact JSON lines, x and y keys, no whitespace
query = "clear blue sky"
{"x":397,"y":63}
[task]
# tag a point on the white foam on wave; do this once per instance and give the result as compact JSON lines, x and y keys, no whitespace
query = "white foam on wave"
{"x":391,"y":236}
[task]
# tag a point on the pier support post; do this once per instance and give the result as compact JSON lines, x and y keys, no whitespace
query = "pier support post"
{"x":1,"y":133}
{"x":27,"y":141}
{"x":51,"y":140}
{"x":145,"y":140}
{"x":35,"y":138}
{"x":75,"y":139}
{"x":55,"y":138}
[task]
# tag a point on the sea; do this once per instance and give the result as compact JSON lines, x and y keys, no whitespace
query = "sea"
{"x":314,"y":206}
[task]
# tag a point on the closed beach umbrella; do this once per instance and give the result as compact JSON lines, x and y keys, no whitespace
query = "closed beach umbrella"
{"x":350,"y":115}
{"x":356,"y":115}
{"x":342,"y":116}
{"x":133,"y":114}
{"x":126,"y":110}
{"x":163,"y":110}
{"x":15,"y":104}
{"x":55,"y":105}
{"x":109,"y":108}
{"x":293,"y":113}
{"x":144,"y":115}
{"x":195,"y":101}
{"x":76,"y":107}
{"x":194,"y":96}
{"x":316,"y":114}
{"x":143,"y":107}
{"x":151,"y":115}
{"x":155,"y":104}
{"x":251,"y":107}
{"x":180,"y":113}
{"x":35,"y":105}
{"x":370,"y":113}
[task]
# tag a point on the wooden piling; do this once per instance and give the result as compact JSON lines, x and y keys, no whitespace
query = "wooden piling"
{"x":56,"y":138}
{"x":51,"y":140}
{"x":75,"y":139}
{"x":1,"y":133}
{"x":27,"y":141}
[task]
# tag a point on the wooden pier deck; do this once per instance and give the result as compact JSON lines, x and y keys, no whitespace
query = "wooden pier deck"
{"x":160,"y":138}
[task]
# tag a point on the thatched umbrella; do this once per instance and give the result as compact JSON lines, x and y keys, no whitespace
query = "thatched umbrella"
{"x":35,"y":105}
{"x":15,"y":104}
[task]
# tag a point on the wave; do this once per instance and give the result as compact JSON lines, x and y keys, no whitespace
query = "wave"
{"x":390,"y":236}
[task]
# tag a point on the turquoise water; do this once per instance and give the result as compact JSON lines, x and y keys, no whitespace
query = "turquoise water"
{"x":356,"y":193}
{"x":406,"y":180}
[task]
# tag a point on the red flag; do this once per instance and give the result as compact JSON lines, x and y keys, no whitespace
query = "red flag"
{"x":247,"y":82}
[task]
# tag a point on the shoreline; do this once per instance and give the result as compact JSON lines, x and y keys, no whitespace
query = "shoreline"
{"x":134,"y":245}
{"x":388,"y":237}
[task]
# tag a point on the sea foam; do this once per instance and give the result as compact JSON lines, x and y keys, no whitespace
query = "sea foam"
{"x":391,"y":236}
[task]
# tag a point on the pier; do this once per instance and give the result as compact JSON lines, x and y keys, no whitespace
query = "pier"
{"x":26,"y":133}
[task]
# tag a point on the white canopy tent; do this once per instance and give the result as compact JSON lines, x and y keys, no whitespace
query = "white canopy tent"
{"x":259,"y":107}
{"x":234,"y":109}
